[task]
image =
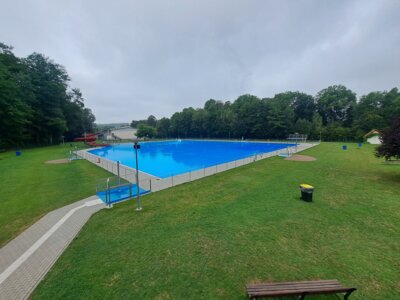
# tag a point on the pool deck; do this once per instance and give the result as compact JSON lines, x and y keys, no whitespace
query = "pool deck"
{"x":25,"y":260}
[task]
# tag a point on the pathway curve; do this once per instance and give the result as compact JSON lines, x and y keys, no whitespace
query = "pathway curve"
{"x":25,"y":260}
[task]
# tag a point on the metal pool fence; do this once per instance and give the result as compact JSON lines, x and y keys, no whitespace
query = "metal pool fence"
{"x":126,"y":176}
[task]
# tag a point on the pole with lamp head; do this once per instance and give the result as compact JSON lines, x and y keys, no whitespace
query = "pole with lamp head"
{"x":136,"y":146}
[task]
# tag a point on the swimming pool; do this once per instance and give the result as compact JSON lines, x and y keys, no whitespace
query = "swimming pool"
{"x":167,"y":158}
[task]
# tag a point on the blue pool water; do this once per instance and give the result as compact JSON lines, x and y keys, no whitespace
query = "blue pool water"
{"x":120,"y":193}
{"x":164,"y":159}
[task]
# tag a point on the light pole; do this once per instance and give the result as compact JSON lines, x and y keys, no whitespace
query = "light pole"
{"x":136,"y":146}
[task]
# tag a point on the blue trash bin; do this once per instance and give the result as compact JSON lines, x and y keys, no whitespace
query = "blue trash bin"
{"x":344,"y":147}
{"x":18,"y":153}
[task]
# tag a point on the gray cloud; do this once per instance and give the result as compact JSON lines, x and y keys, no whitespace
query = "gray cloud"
{"x":135,"y":58}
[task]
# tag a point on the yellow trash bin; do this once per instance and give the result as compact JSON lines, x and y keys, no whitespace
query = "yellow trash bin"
{"x":306,"y":192}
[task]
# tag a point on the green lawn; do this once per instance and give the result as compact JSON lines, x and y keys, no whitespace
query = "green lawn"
{"x":208,"y":238}
{"x":30,"y":188}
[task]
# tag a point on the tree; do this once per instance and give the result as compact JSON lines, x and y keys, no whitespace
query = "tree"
{"x":199,"y":120}
{"x":303,"y":126}
{"x":213,"y":110}
{"x":249,"y":117}
{"x":15,"y":114}
{"x":163,"y":128}
{"x":336,"y":104}
{"x":151,"y":121}
{"x":88,"y":120}
{"x":181,"y":123}
{"x":280,"y":116}
{"x":50,"y":82}
{"x":146,"y":131}
{"x":36,"y":103}
{"x":391,"y":105}
{"x":390,"y":142}
{"x":74,"y":115}
{"x":316,"y":126}
{"x":303,"y":105}
{"x":134,"y":124}
{"x":333,"y":114}
{"x":368,"y":113}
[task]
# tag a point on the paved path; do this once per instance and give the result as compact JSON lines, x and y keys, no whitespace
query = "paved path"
{"x":25,"y":260}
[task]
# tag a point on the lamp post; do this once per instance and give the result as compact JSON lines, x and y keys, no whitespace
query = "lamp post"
{"x":136,"y":146}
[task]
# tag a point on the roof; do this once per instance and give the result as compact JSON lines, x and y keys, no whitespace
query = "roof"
{"x":373,"y":132}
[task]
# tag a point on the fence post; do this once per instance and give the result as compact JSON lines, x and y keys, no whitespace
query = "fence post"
{"x":108,"y":193}
{"x":119,"y":178}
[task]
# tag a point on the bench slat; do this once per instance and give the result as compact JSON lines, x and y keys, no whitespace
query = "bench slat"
{"x":297,"y":286}
{"x":293,"y":282}
{"x":299,"y":292}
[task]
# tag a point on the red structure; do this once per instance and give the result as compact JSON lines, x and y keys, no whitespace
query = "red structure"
{"x":90,"y":140}
{"x":94,"y":144}
{"x":87,"y":138}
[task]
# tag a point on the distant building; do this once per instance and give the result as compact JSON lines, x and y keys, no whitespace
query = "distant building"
{"x":373,"y":137}
{"x":123,"y":133}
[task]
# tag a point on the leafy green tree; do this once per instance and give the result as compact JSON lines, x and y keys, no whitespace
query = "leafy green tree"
{"x":336,"y":104}
{"x":391,"y":105}
{"x":73,"y":113}
{"x":15,"y":114}
{"x":303,"y":126}
{"x":303,"y":106}
{"x":198,"y":126}
{"x":49,"y":82}
{"x":213,"y":109}
{"x":134,"y":123}
{"x":280,"y":116}
{"x":163,"y":128}
{"x":337,"y":132}
{"x":36,"y":104}
{"x":368,"y":113}
{"x":227,"y":121}
{"x":316,"y":127}
{"x":181,"y":123}
{"x":88,"y":120}
{"x":152,"y":121}
{"x":249,"y":117}
{"x":334,"y":115}
{"x":146,"y":131}
{"x":390,"y":141}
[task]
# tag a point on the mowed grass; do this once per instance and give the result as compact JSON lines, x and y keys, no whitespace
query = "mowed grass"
{"x":208,"y":238}
{"x":29,"y":188}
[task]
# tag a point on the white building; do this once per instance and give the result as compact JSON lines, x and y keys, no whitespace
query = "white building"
{"x":124,"y":133}
{"x":373,"y":137}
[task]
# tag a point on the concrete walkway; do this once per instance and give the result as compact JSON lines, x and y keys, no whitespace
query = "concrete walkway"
{"x":25,"y":260}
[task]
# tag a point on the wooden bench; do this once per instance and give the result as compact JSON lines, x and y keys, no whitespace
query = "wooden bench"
{"x":297,"y":288}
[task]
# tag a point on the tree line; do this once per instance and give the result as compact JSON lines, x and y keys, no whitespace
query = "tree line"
{"x":37,"y":105}
{"x":334,"y":114}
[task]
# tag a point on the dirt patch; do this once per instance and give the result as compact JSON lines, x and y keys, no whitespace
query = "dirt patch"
{"x":298,"y":157}
{"x":58,"y":161}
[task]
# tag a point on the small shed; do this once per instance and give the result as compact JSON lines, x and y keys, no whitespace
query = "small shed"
{"x":373,"y":137}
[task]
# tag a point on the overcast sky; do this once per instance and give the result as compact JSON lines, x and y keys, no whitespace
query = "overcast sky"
{"x":135,"y":58}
